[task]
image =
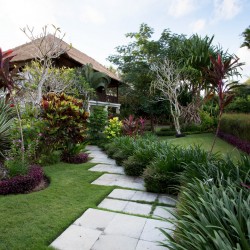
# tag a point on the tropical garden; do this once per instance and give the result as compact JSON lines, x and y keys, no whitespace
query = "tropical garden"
{"x":184,"y":127}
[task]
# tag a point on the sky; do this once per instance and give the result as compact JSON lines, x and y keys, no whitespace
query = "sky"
{"x":97,"y":27}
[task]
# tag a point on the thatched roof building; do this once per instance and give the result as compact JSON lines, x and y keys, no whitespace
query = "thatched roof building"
{"x":70,"y":58}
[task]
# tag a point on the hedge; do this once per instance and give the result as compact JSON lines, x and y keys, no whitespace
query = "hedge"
{"x":237,"y":125}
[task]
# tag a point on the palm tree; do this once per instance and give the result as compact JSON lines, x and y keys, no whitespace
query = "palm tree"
{"x":246,"y":35}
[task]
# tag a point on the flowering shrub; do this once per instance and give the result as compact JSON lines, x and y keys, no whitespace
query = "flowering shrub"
{"x":114,"y":128}
{"x":78,"y":158}
{"x":22,"y":183}
{"x":133,"y":127}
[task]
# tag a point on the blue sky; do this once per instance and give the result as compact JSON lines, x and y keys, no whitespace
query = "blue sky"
{"x":96,"y":27}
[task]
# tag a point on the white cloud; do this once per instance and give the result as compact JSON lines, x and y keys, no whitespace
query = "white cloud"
{"x":91,"y":15}
{"x":244,"y":55}
{"x":179,"y":8}
{"x":198,"y":25}
{"x":226,"y":9}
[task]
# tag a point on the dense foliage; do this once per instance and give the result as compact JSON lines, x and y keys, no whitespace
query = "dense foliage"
{"x":66,"y":120}
{"x":22,"y":183}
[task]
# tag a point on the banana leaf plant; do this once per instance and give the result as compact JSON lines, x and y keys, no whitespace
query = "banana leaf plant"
{"x":217,"y":75}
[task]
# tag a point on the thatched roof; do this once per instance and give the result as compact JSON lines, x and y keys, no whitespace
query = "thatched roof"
{"x":27,"y":52}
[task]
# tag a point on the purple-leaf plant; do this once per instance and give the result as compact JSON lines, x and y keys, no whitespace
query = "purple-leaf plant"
{"x":217,"y":75}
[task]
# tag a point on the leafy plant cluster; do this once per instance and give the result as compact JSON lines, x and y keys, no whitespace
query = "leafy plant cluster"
{"x":22,"y":183}
{"x":133,"y":126}
{"x":66,"y":121}
{"x":114,"y":128}
{"x":213,"y":208}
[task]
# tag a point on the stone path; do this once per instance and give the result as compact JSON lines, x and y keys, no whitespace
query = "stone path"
{"x":121,"y":227}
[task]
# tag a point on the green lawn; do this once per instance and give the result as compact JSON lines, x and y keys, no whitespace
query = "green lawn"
{"x":205,"y":141}
{"x":33,"y":221}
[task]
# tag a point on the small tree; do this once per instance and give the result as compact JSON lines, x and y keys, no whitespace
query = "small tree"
{"x":169,"y":82}
{"x":218,"y":76}
{"x":46,"y":47}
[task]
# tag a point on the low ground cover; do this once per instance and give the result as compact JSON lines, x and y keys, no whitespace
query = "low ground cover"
{"x":33,"y":221}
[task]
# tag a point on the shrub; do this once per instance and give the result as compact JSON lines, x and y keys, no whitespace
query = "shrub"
{"x":237,"y":125}
{"x":77,"y":158}
{"x":114,"y":128}
{"x":213,"y":215}
{"x":97,"y":123}
{"x":22,"y":183}
{"x":65,"y":118}
{"x":132,"y":126}
{"x":237,"y":142}
{"x":162,"y":175}
{"x":144,"y":152}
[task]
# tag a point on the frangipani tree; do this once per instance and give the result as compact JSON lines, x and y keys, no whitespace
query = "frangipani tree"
{"x":217,"y":75}
{"x":169,"y":82}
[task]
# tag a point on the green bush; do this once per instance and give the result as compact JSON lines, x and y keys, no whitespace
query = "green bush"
{"x":212,"y":214}
{"x":97,"y":121}
{"x":162,"y":175}
{"x":237,"y":125}
{"x":114,"y":128}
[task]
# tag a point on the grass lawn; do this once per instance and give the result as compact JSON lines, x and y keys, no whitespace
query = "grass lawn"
{"x":205,"y":141}
{"x":33,"y":221}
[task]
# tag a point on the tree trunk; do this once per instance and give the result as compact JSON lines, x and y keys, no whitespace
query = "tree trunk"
{"x":217,"y":132}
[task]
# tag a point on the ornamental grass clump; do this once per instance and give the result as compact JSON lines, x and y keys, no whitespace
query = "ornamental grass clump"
{"x":211,"y":214}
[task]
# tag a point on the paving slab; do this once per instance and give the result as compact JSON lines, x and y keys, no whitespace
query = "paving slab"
{"x":151,"y":230}
{"x":95,"y":219}
{"x":166,"y":199}
{"x":126,"y":225}
{"x":115,"y":242}
{"x":137,"y":208}
{"x":103,"y":160}
{"x":149,"y":245}
{"x":144,"y":196}
{"x":107,"y":168}
{"x":76,"y":238}
{"x":163,"y":212}
{"x":114,"y":205}
{"x":122,"y":194}
{"x":120,"y":180}
{"x":92,"y":148}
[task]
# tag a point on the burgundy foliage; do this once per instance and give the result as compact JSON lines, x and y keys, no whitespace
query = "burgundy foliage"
{"x":79,"y":158}
{"x":133,"y":126}
{"x":22,"y":183}
{"x":243,"y":145}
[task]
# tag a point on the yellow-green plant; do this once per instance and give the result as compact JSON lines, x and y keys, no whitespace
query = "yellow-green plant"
{"x":114,"y":128}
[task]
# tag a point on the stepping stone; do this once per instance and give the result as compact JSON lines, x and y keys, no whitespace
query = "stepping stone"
{"x":122,"y":194}
{"x":126,"y":206}
{"x":149,"y":245}
{"x":163,"y":212}
{"x":92,"y":148}
{"x":95,"y":219}
{"x":151,"y":230}
{"x":120,"y":180}
{"x":115,"y":205}
{"x":144,"y":196}
{"x":107,"y":168}
{"x":126,"y":225}
{"x":168,"y":200}
{"x":115,"y":242}
{"x":137,"y":208}
{"x":76,"y":238}
{"x":103,"y":160}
